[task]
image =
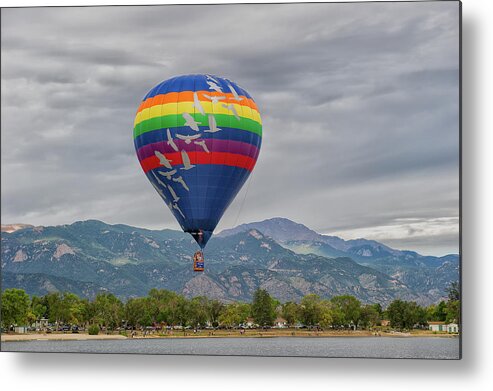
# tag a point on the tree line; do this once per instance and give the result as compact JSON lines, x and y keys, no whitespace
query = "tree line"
{"x":162,"y":307}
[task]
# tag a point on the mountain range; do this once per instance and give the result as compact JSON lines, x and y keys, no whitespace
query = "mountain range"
{"x":286,"y":258}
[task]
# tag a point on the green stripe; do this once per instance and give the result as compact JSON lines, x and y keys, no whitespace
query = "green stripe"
{"x":173,"y":121}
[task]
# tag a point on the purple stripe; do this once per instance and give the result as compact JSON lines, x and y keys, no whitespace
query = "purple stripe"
{"x":230,"y":146}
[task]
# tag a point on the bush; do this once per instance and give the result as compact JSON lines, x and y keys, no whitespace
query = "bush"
{"x":93,"y":329}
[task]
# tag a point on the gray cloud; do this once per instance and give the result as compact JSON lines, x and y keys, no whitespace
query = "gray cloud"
{"x":359,"y":104}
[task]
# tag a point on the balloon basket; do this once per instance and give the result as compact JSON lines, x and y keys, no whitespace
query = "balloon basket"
{"x":198,"y":261}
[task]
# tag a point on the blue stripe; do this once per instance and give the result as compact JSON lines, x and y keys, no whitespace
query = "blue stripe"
{"x":193,"y":83}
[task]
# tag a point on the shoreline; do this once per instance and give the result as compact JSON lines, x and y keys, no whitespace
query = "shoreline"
{"x":202,"y":335}
{"x":58,"y":337}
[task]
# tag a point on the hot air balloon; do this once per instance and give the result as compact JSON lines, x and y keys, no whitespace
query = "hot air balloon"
{"x":197,"y":138}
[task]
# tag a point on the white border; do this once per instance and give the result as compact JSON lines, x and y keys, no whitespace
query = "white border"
{"x":119,"y":372}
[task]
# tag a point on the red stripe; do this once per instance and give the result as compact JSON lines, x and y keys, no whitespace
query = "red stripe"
{"x":224,"y":158}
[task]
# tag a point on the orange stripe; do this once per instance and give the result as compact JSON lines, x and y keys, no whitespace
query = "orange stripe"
{"x":223,"y":158}
{"x":187,"y":96}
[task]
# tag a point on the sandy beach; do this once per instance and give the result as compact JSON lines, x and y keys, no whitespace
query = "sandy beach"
{"x":57,"y":337}
{"x":222,"y":334}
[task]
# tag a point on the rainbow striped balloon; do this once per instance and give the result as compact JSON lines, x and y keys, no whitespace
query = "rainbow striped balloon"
{"x":198,"y":138}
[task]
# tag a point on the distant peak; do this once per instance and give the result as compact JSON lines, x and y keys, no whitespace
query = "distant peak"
{"x":278,"y":228}
{"x":90,"y":221}
{"x":278,"y":220}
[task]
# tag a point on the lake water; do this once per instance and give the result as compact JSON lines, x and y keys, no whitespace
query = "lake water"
{"x":383,"y":347}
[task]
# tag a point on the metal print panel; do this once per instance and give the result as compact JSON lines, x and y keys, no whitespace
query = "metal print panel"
{"x":244,"y":179}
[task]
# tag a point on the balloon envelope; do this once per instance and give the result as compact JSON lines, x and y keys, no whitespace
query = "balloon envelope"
{"x":198,"y":138}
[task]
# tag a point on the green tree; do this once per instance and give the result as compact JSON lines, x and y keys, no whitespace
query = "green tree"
{"x":214,"y":310}
{"x":430,"y":312}
{"x":84,"y":311}
{"x":369,"y":316}
{"x":404,"y":315}
{"x":182,"y":311}
{"x":263,"y":310}
{"x":198,"y":311}
{"x":310,"y":309}
{"x":231,"y":316}
{"x":137,"y":312}
{"x":15,"y":307}
{"x":73,"y":309}
{"x":244,"y":310}
{"x":175,"y":309}
{"x":277,"y":306}
{"x":453,"y":311}
{"x":37,"y":310}
{"x":290,"y":312}
{"x":65,"y":308}
{"x":338,"y":317}
{"x":378,"y":308}
{"x":453,"y":303}
{"x":349,"y":306}
{"x":38,"y":307}
{"x":395,"y":312}
{"x":164,"y":306}
{"x":419,"y":314}
{"x":107,"y":310}
{"x":440,"y":314}
{"x":326,"y":314}
{"x":55,"y":307}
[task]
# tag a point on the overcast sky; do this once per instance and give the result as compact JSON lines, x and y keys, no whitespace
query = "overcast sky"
{"x":359,"y":104}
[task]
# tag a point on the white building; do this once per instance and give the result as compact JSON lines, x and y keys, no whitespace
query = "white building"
{"x":41,"y":324}
{"x":280,"y":323}
{"x":20,"y":329}
{"x":443,"y":327}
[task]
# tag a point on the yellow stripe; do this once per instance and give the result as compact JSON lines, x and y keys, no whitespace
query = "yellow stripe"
{"x":188,"y":107}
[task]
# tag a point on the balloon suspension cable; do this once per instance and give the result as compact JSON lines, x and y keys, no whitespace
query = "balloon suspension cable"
{"x":244,"y":198}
